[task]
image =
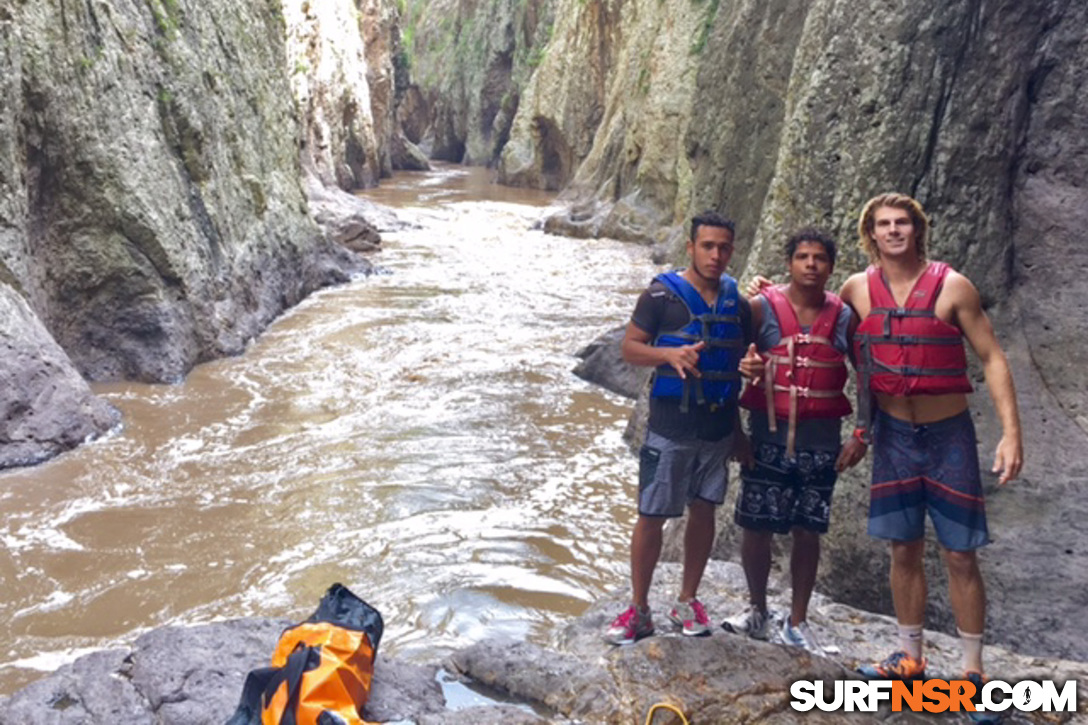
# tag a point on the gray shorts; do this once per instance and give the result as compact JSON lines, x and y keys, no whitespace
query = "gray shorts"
{"x":672,"y":473}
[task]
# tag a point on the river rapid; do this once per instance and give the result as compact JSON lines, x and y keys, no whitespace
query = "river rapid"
{"x":415,"y":434}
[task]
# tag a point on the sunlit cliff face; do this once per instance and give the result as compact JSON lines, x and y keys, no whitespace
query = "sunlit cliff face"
{"x":326,"y":60}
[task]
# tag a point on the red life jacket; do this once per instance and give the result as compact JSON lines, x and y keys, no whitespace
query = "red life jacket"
{"x":804,"y":373}
{"x":909,"y":350}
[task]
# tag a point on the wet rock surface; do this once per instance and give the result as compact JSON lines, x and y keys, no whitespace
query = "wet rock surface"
{"x":194,"y":675}
{"x":47,"y":407}
{"x":723,"y":678}
{"x":603,"y":364}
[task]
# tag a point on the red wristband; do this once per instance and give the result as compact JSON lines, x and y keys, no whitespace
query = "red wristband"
{"x":862,"y":435}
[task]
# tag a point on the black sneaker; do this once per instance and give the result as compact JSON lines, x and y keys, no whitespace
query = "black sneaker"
{"x":983,"y":718}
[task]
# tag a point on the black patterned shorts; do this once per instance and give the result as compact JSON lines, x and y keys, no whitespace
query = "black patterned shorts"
{"x":779,"y":493}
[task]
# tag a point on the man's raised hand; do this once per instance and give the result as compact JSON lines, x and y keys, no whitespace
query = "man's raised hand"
{"x":684,"y":359}
{"x":752,"y":365}
{"x":757,"y":285}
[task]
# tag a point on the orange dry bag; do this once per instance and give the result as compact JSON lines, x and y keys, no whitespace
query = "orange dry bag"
{"x":321,"y":670}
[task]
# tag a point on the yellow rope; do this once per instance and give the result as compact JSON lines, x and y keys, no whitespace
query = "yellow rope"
{"x":666,"y":706}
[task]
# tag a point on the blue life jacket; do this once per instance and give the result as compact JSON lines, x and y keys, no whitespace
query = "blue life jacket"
{"x":719,"y":328}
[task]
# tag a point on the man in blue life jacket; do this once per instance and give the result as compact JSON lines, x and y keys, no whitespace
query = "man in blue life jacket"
{"x":692,"y":326}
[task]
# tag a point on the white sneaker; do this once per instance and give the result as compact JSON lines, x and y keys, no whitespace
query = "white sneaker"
{"x":750,"y":622}
{"x":801,"y":636}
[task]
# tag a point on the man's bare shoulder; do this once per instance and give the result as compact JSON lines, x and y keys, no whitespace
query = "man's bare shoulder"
{"x":959,"y":288}
{"x":852,"y":284}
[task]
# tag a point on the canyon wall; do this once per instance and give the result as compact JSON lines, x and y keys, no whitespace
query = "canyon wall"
{"x":328,"y":66}
{"x":465,"y":63}
{"x":789,"y":113}
{"x":151,"y":210}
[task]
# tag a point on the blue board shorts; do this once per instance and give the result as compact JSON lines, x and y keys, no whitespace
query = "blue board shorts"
{"x":934,"y":468}
{"x":673,"y":473}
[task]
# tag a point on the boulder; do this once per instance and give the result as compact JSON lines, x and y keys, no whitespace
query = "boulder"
{"x":47,"y":407}
{"x":603,"y":364}
{"x":723,"y":678}
{"x":407,"y":156}
{"x":194,"y":676}
{"x":349,"y":220}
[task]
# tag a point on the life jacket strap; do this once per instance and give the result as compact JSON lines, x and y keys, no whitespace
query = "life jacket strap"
{"x":911,"y":371}
{"x":718,"y":319}
{"x":716,"y":375}
{"x":712,"y":375}
{"x":691,"y":383}
{"x":804,"y":338}
{"x":791,"y":431}
{"x":913,"y":340}
{"x":806,"y":362}
{"x":902,"y":312}
{"x":865,"y":395}
{"x":710,"y":342}
{"x":803,"y":392}
{"x":693,"y":386}
{"x":898,"y":312}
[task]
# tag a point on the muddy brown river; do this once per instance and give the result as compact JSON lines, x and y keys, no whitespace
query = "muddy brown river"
{"x":415,"y":434}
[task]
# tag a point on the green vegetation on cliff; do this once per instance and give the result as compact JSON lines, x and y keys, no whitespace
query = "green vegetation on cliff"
{"x":471,"y":64}
{"x":708,"y":25}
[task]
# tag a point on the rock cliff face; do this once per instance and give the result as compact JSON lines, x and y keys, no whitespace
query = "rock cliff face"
{"x":329,"y":68}
{"x":151,"y":211}
{"x":606,"y":114}
{"x":791,"y":113}
{"x":47,"y":407}
{"x":787,"y":112}
{"x":466,"y":64}
{"x":340,"y":54}
{"x":340,"y":60}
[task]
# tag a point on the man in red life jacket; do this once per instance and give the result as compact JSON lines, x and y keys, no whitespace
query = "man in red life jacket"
{"x":691,"y":326}
{"x":909,"y":352}
{"x":796,"y":403}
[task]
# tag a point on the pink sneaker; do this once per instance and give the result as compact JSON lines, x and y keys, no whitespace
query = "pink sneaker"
{"x":629,"y":627}
{"x":691,"y":617}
